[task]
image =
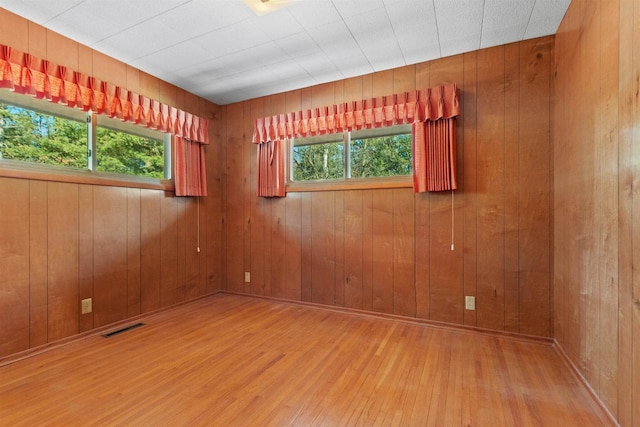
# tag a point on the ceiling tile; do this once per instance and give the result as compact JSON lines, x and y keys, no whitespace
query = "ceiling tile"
{"x":221,"y":50}
{"x":314,"y":13}
{"x":414,"y":26}
{"x":350,"y":8}
{"x":505,"y":21}
{"x":40,"y":11}
{"x":546,"y":17}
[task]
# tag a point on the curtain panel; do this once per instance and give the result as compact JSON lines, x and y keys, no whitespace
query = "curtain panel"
{"x":191,"y":174}
{"x":27,"y":74}
{"x":271,"y":168}
{"x":431,"y":112}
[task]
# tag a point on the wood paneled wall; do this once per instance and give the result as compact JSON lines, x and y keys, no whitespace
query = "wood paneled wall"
{"x":388,"y":250}
{"x":596,"y":198}
{"x":132,"y":250}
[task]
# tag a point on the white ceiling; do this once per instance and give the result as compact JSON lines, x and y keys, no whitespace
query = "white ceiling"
{"x":222,"y":51}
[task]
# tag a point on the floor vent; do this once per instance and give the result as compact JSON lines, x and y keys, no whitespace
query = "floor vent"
{"x":121,"y":330}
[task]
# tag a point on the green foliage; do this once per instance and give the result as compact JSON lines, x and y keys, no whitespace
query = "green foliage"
{"x":30,"y":136}
{"x":381,"y":156}
{"x":124,"y":153}
{"x":318,"y":161}
{"x":370,"y":157}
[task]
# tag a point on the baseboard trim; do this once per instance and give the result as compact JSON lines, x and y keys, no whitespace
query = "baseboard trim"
{"x":15,"y":357}
{"x":599,"y":404}
{"x":405,"y":319}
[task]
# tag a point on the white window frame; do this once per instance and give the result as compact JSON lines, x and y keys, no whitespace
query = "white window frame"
{"x":18,"y":168}
{"x":348,"y":182}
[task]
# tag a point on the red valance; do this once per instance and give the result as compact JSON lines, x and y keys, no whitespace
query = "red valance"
{"x":24,"y":73}
{"x":435,"y":103}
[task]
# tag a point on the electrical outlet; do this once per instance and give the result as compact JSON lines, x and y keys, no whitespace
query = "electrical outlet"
{"x":247,"y":277}
{"x":470,"y":302}
{"x":87,"y":306}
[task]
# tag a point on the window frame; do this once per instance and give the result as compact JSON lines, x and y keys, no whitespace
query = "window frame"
{"x":346,"y":183}
{"x":21,"y":169}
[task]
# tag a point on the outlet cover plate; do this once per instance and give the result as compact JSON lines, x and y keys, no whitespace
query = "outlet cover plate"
{"x":87,"y":306}
{"x":247,"y":277}
{"x":470,"y":302}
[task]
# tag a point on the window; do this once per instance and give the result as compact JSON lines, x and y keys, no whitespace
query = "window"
{"x":129,"y":149}
{"x":37,"y":131}
{"x":367,"y":153}
{"x":55,"y":136}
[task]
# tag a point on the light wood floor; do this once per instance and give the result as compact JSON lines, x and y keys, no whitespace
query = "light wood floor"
{"x":231,"y":360}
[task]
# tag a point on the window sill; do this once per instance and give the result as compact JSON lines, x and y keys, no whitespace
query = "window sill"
{"x":404,"y":181}
{"x":14,"y":169}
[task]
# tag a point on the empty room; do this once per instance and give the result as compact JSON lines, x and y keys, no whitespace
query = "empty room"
{"x":320,"y":212}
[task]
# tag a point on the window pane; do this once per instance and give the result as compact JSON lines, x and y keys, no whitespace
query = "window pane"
{"x":380,"y":155}
{"x":318,"y":160}
{"x":32,"y":136}
{"x":126,"y":150}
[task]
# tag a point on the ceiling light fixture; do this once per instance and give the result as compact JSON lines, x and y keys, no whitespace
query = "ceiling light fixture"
{"x":262,"y":7}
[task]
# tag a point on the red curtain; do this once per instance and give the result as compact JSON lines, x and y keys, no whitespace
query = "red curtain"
{"x":24,"y":73}
{"x":432,"y":112}
{"x":191,"y":174}
{"x":271,"y":169}
{"x":434,"y":155}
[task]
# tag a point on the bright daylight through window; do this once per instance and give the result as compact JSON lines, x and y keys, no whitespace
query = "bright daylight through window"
{"x":37,"y":131}
{"x":366,"y":153}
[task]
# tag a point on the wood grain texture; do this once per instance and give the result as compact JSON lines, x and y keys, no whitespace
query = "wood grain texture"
{"x":234,"y":360}
{"x":14,"y":265}
{"x":595,"y":167}
{"x":389,"y":250}
{"x":37,"y":263}
{"x":95,"y":238}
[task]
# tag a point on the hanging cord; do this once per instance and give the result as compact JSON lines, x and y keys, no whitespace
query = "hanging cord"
{"x":452,"y":221}
{"x":198,"y":226}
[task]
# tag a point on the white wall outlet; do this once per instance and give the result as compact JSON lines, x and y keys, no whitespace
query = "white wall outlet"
{"x":247,"y":277}
{"x":470,"y":302}
{"x":87,"y":306}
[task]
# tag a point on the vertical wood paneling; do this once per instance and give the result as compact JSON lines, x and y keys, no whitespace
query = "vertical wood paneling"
{"x":37,"y":263}
{"x":62,"y":266}
{"x":133,"y":252}
{"x":182,"y":228}
{"x":259,"y":218}
{"x":595,"y":180}
{"x":534,"y":209}
{"x":367,"y":250}
{"x":512,"y":186}
{"x":293,"y":248}
{"x":86,"y":266}
{"x":323,"y":248}
{"x":339,"y":249}
{"x":14,"y":266}
{"x":626,"y":223}
{"x":168,"y":250}
{"x":248,"y":192}
{"x":306,"y":271}
{"x":150,"y":250}
{"x":490,"y":155}
{"x":110,"y":255}
{"x":469,"y":171}
{"x":382,"y":226}
{"x":234,"y":225}
{"x":404,"y":291}
{"x":278,"y":231}
{"x":353,"y":248}
{"x":97,"y":241}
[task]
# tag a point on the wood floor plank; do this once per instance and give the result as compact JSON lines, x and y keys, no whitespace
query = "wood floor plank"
{"x":245,"y":361}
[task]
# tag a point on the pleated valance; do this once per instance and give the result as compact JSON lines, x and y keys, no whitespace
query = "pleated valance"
{"x":435,"y":103}
{"x":27,"y":74}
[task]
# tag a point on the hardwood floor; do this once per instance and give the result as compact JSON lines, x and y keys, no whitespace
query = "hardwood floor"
{"x":232,"y":360}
